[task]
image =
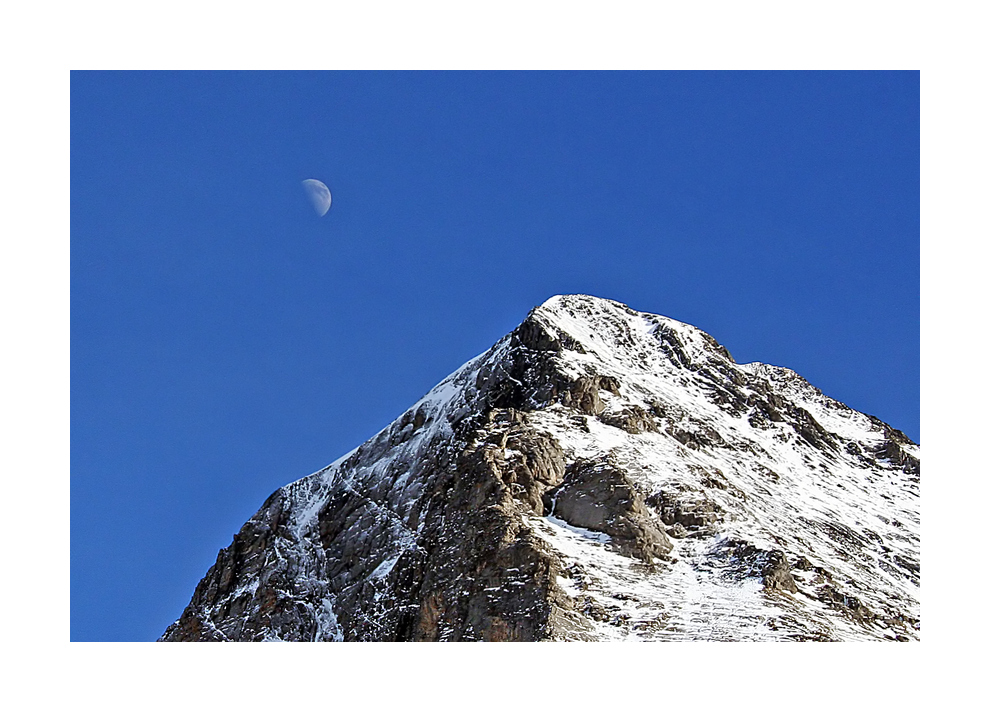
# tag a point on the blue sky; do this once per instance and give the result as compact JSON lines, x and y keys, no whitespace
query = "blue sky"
{"x":226,"y":341}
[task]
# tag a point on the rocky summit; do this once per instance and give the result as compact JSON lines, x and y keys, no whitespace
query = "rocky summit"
{"x":598,"y":474}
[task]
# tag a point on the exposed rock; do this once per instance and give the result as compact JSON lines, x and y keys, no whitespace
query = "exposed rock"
{"x":583,"y":393}
{"x":849,"y":605}
{"x":777,"y":573}
{"x":691,"y":510}
{"x":633,"y":419}
{"x":599,"y":497}
{"x":743,"y":559}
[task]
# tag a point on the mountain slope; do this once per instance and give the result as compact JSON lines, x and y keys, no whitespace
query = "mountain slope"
{"x":599,"y":473}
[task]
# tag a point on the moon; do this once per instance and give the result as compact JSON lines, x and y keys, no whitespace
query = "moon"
{"x":319,"y":195}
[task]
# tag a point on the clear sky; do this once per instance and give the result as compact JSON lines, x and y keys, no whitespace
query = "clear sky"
{"x":226,"y":341}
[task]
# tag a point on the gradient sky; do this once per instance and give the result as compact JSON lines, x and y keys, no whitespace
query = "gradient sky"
{"x":226,"y":340}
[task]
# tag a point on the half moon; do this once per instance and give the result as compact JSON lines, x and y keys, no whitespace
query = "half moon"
{"x":319,"y":195}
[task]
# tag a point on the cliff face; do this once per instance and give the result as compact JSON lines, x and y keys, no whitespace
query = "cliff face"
{"x":599,"y":473}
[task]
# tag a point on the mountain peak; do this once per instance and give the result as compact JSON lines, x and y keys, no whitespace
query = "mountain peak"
{"x":599,"y":473}
{"x":606,"y":327}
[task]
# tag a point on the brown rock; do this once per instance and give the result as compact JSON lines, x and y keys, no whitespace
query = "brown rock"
{"x":599,"y":497}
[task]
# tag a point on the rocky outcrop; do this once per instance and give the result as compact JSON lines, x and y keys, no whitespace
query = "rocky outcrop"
{"x":254,"y":587}
{"x":686,"y":510}
{"x":598,"y":496}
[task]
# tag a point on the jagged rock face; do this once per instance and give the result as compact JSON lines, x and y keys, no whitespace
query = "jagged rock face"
{"x":598,"y":474}
{"x":600,"y":498}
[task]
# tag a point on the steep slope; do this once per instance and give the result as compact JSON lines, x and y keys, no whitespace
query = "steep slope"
{"x":599,"y":473}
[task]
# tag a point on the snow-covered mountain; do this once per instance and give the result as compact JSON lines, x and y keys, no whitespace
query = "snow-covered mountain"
{"x":598,"y":474}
